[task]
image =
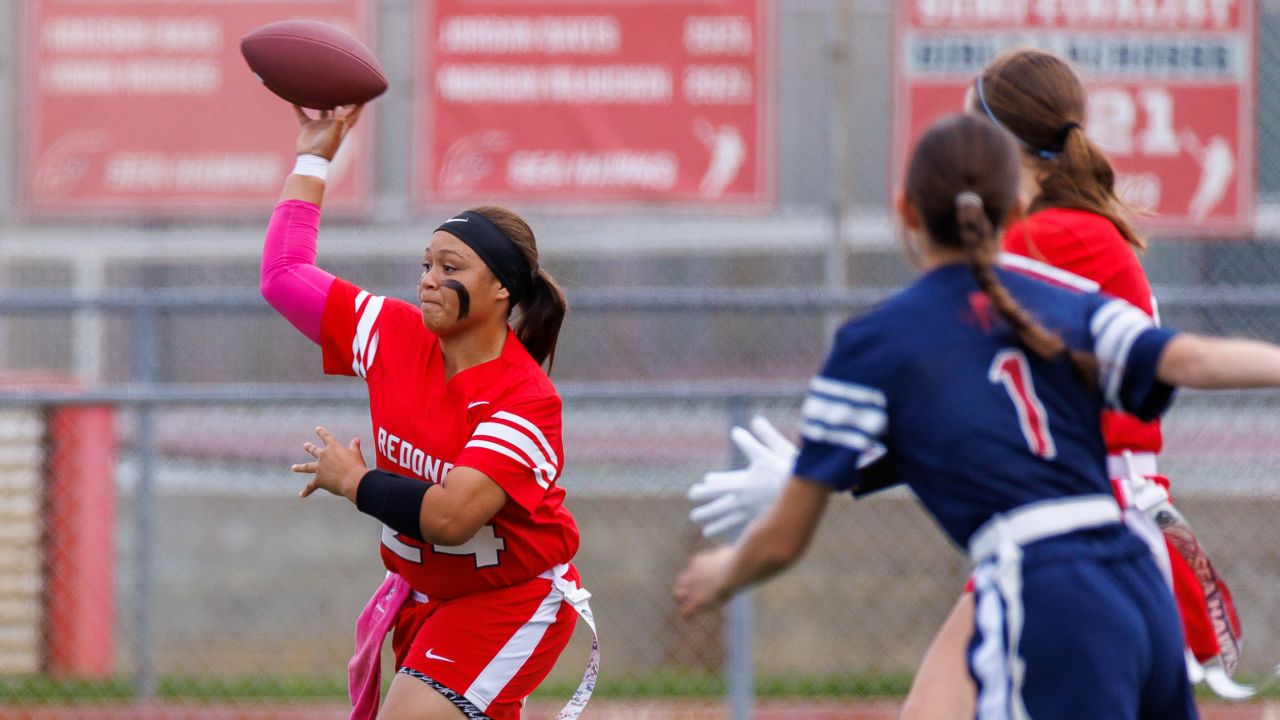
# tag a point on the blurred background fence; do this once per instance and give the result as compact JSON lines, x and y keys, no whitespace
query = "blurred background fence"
{"x":151,"y":541}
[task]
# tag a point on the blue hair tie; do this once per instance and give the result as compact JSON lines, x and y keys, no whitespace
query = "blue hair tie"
{"x":1046,"y":154}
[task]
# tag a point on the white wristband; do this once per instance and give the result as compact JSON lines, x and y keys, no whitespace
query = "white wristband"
{"x":312,"y":165}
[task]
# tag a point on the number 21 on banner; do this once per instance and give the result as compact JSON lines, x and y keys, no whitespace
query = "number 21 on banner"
{"x":1010,"y":368}
{"x":1113,"y":122}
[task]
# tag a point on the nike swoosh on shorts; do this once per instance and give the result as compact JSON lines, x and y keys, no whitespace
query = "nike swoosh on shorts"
{"x":433,"y":656}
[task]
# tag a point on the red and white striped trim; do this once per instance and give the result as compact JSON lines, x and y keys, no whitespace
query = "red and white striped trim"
{"x":1047,"y":272}
{"x":519,"y":648}
{"x":522,"y":644}
{"x":517,"y":438}
{"x":364,"y":346}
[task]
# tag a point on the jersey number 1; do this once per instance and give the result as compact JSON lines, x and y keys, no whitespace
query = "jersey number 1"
{"x":1010,"y":369}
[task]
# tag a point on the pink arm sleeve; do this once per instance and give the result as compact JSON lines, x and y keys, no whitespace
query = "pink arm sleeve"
{"x":291,"y":282}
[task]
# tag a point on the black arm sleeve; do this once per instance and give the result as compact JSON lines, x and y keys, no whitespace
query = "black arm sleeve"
{"x":393,"y":499}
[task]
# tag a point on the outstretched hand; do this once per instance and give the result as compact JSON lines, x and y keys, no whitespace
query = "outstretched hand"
{"x":703,"y":583}
{"x":337,"y":468}
{"x":323,"y":135}
{"x":729,"y":500}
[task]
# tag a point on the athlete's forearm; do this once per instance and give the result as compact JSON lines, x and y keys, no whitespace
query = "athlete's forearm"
{"x":1219,"y":363}
{"x":291,"y":283}
{"x":780,"y":537}
{"x":755,"y":559}
{"x":307,"y":188}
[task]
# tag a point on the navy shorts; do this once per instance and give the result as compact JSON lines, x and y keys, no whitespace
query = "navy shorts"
{"x":1098,"y":635}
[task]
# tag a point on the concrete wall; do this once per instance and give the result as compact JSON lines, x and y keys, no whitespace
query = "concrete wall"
{"x":271,"y":586}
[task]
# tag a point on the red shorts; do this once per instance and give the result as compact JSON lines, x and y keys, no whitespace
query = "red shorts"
{"x":492,"y":647}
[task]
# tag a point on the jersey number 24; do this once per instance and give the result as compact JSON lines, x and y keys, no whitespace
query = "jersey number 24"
{"x":484,"y":545}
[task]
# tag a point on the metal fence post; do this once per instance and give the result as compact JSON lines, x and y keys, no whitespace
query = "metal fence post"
{"x":739,"y":628}
{"x":144,"y":366}
{"x":835,"y":272}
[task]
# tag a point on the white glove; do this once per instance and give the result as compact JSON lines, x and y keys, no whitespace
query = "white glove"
{"x":731,"y":499}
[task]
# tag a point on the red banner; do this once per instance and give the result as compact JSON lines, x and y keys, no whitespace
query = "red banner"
{"x":607,"y":101}
{"x":1171,"y":89}
{"x":147,"y":107}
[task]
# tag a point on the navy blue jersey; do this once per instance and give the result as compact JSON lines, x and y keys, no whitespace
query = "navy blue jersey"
{"x":935,"y":386}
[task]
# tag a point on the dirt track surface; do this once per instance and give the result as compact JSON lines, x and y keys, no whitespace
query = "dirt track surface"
{"x":599,"y":710}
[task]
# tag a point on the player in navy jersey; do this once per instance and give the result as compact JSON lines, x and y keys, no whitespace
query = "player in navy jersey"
{"x":1075,"y":222}
{"x":981,"y":388}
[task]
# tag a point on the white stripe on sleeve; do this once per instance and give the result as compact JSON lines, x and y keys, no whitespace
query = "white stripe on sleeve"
{"x":848,"y":391}
{"x":373,"y":350}
{"x":365,"y":343}
{"x":869,"y":420}
{"x":539,"y":474}
{"x":833,"y":436}
{"x":533,"y":430}
{"x":1115,"y":326}
{"x":519,"y":439}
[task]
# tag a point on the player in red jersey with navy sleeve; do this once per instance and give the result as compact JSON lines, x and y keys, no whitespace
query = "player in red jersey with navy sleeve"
{"x":481,"y":594}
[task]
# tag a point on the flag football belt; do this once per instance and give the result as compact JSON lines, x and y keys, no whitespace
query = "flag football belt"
{"x":577,"y":597}
{"x":1142,"y":464}
{"x":1039,"y":520}
{"x":996,"y":551}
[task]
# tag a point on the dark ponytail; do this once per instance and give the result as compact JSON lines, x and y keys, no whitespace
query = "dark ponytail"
{"x":541,"y":315}
{"x":1037,"y":97}
{"x":977,"y":238}
{"x":963,"y":179}
{"x":541,"y":311}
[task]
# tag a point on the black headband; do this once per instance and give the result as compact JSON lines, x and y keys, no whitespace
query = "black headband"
{"x":495,"y":249}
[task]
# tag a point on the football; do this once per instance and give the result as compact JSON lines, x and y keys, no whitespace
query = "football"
{"x":313,"y":64}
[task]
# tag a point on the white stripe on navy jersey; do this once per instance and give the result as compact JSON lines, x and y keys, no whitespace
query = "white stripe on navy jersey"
{"x":836,"y":436}
{"x":1048,"y":272}
{"x":364,"y":346}
{"x":533,"y":431}
{"x":836,"y":389}
{"x":520,"y":440}
{"x":868,"y":420}
{"x":504,"y":666}
{"x":1115,"y":327}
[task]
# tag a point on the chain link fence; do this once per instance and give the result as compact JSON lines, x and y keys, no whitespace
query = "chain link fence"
{"x":154,"y":545}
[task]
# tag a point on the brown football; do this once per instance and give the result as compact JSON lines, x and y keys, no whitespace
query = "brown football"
{"x":313,"y":64}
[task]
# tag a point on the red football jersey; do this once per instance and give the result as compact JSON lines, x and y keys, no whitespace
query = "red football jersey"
{"x":501,"y":417}
{"x":1089,"y":245}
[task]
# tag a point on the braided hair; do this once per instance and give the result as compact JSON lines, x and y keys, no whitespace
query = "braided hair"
{"x":963,"y":178}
